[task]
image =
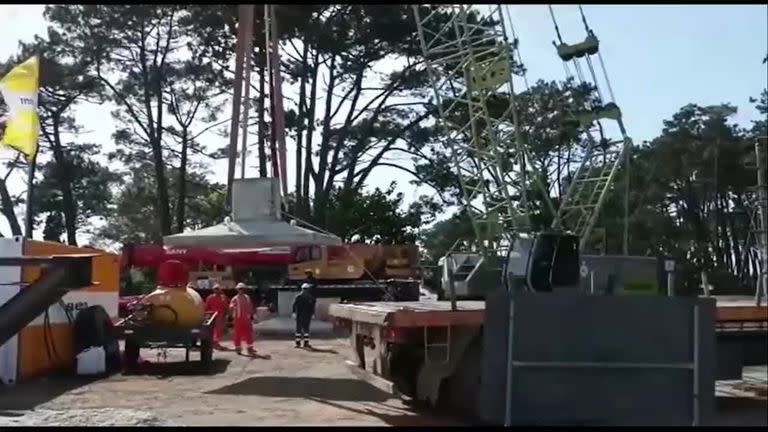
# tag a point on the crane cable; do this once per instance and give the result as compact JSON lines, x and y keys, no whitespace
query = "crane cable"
{"x":599,"y":56}
{"x":577,"y":66}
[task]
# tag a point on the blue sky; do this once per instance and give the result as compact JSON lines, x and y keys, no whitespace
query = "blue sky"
{"x":659,"y":58}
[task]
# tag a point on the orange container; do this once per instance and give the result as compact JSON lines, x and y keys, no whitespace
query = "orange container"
{"x":34,"y":359}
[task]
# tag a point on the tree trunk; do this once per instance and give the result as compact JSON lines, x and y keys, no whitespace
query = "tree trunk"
{"x":8,"y":210}
{"x":321,"y":198}
{"x":302,"y":117}
{"x":157,"y":153}
{"x":182,"y":191}
{"x":308,"y":174}
{"x":65,"y":183}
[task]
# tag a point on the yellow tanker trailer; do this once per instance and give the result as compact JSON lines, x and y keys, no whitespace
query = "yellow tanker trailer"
{"x":172,"y":316}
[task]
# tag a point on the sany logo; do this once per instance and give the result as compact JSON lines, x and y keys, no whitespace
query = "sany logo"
{"x":176,"y":251}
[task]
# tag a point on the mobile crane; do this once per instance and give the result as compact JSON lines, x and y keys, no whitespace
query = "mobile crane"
{"x":532,"y":348}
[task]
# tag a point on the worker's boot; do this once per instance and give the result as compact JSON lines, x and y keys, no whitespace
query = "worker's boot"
{"x":251,"y":350}
{"x":306,"y":343}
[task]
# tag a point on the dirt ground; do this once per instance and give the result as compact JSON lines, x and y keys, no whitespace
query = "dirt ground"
{"x":282,"y":386}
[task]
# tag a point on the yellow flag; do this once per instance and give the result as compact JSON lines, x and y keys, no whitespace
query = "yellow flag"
{"x":19,"y":89}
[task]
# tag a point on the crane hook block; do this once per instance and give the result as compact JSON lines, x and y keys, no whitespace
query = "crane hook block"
{"x":590,"y":46}
{"x":609,"y":111}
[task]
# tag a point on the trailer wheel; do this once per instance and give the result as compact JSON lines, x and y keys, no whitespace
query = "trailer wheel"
{"x":131,"y":354}
{"x":404,"y":364}
{"x":206,"y":353}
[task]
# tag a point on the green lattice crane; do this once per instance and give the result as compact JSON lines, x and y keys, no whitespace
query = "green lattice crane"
{"x":470,"y":64}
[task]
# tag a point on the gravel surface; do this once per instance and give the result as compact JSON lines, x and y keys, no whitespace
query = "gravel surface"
{"x":282,"y":386}
{"x":83,"y":417}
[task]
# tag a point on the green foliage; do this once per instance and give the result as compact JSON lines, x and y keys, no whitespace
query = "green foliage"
{"x":90,"y":184}
{"x":363,"y":100}
{"x":133,"y":219}
{"x":377,"y":216}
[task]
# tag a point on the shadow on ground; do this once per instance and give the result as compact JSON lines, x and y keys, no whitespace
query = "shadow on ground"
{"x":179,"y":368}
{"x":336,"y":389}
{"x":28,"y":395}
{"x":320,"y":350}
{"x":399,"y":416}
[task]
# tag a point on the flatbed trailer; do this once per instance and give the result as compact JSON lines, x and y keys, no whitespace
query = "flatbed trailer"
{"x":359,"y":291}
{"x":391,"y":339}
{"x":742,"y":335}
{"x":413,"y":349}
{"x":137,"y":335}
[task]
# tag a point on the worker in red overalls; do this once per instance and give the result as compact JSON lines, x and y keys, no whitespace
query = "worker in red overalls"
{"x":242,"y":313}
{"x":219,"y":303}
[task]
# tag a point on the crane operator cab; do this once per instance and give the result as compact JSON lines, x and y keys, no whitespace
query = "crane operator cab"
{"x":551,"y":264}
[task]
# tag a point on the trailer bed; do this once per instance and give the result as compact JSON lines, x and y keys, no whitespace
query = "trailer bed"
{"x":411,"y":314}
{"x":730,"y":309}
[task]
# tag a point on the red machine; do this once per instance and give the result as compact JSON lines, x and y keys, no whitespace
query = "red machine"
{"x":144,"y":256}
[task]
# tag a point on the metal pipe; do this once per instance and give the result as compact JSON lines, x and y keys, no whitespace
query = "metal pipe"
{"x":510,"y":360}
{"x":627,"y":161}
{"x":247,"y":98}
{"x":451,"y":282}
{"x":762,"y":225}
{"x":30,"y":302}
{"x":705,"y":284}
{"x":236,"y":101}
{"x":670,"y":284}
{"x":696,"y":348}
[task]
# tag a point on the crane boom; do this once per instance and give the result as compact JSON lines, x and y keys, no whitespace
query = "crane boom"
{"x":470,"y":65}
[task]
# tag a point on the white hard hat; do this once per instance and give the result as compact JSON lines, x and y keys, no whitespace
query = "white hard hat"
{"x":306,"y":286}
{"x":240,"y":286}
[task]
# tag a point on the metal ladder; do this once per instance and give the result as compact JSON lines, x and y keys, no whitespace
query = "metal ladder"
{"x":586,"y":192}
{"x":444,"y":344}
{"x":581,"y":206}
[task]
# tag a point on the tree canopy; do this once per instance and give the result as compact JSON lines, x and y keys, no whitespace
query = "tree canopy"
{"x":357,"y":100}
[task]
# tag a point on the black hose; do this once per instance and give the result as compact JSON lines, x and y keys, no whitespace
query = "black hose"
{"x":48,"y":338}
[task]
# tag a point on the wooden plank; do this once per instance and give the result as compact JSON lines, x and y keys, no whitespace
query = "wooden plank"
{"x":741,"y":313}
{"x":739,"y":309}
{"x":438,"y":318}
